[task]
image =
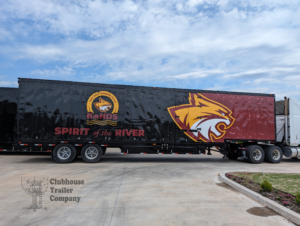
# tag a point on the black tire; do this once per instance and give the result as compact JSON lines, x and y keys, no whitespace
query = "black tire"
{"x":64,"y":153}
{"x":273,"y":154}
{"x":266,"y":151}
{"x":91,"y":153}
{"x":255,"y":154}
{"x":103,"y":150}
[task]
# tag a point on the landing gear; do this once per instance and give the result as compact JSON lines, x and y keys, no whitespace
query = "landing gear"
{"x":208,"y":151}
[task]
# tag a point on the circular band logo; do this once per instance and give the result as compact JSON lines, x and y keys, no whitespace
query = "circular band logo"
{"x":102,"y":105}
{"x":107,"y":107}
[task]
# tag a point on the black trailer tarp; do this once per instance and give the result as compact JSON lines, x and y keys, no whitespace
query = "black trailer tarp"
{"x":118,"y":114}
{"x":46,"y":105}
{"x":8,"y":110}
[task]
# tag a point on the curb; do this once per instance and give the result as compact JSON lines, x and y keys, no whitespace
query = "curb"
{"x":283,"y":211}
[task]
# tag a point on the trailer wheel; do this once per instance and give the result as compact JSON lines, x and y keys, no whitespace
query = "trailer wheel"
{"x":273,"y":154}
{"x":255,"y":154}
{"x":64,"y":153}
{"x":91,"y":153}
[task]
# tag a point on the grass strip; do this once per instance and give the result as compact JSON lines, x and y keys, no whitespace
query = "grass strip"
{"x":289,"y":183}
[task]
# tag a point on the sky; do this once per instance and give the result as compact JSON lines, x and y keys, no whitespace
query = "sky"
{"x":245,"y":46}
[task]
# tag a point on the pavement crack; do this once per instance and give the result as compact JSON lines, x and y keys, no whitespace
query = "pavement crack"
{"x":118,"y":192}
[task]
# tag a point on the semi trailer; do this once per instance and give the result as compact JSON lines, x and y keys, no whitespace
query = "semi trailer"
{"x":71,"y":119}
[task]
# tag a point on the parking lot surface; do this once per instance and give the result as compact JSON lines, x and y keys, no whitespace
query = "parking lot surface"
{"x":130,"y":190}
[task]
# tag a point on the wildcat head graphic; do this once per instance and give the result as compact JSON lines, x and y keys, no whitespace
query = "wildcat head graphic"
{"x":203,"y":119}
{"x":102,"y":105}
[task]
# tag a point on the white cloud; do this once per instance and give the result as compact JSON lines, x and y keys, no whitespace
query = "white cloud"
{"x":4,"y":82}
{"x":195,"y":74}
{"x":274,"y":72}
{"x":4,"y":34}
{"x":250,"y":44}
{"x":65,"y":71}
{"x":8,"y":84}
{"x":194,"y":3}
{"x":292,"y":80}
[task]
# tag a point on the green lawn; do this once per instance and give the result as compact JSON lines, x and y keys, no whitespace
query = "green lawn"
{"x":289,"y":183}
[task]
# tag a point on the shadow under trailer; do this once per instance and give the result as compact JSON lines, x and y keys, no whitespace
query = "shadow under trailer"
{"x":71,"y":119}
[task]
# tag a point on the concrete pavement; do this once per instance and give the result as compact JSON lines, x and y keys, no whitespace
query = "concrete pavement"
{"x":133,"y":190}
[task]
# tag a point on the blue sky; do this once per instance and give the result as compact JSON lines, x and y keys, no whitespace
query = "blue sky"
{"x":250,"y":46}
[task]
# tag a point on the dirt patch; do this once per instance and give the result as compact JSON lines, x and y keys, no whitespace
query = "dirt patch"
{"x":223,"y":185}
{"x":261,"y":211}
{"x":281,"y":197}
